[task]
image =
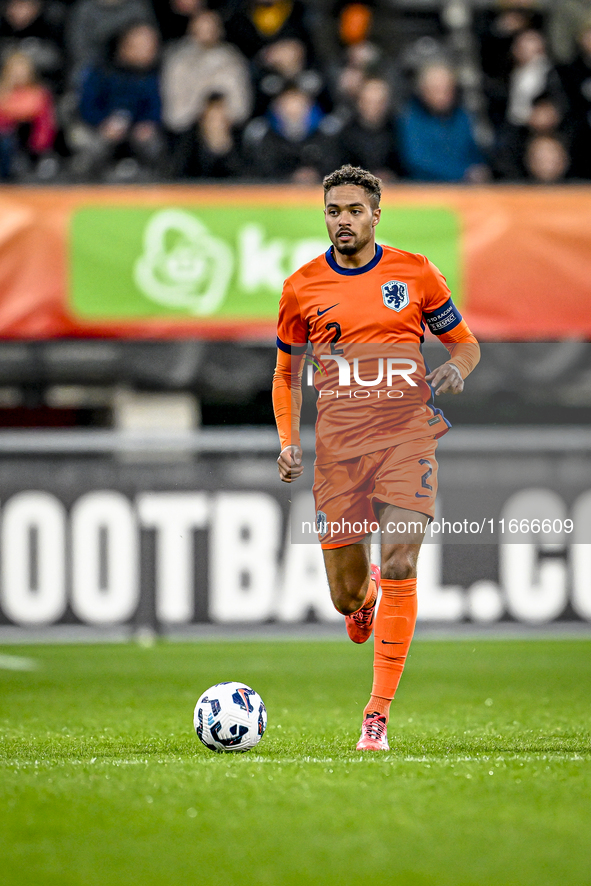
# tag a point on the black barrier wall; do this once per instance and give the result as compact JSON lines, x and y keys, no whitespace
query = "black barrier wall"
{"x":119,"y":536}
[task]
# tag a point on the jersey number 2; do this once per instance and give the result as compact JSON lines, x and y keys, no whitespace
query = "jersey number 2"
{"x":337,"y":334}
{"x":427,"y":474}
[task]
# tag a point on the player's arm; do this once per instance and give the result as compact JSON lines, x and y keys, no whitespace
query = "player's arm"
{"x":464,"y":353}
{"x":287,"y":389}
{"x":445,"y":321}
{"x":287,"y":404}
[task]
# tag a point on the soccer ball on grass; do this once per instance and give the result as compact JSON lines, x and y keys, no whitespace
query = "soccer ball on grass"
{"x":230,"y":717}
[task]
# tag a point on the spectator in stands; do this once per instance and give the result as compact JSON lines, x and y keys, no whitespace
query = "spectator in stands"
{"x":396,"y":29}
{"x":436,"y":139}
{"x":576,"y":82}
{"x":173,"y":16}
{"x":369,"y":140}
{"x":283,"y":64}
{"x":355,"y":21}
{"x":27,"y":116}
{"x":362,"y":61}
{"x":35,"y":27}
{"x":120,"y":103}
{"x":546,"y":118}
{"x":546,"y":160}
{"x":496,"y":29}
{"x":211,"y":149}
{"x":566,"y":18}
{"x":335,"y":26}
{"x":93,"y":24}
{"x":257,"y":23}
{"x":290,"y":142}
{"x":532,"y":74}
{"x":197,"y":66}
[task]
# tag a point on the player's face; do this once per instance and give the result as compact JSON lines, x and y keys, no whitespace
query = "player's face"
{"x":350,"y":219}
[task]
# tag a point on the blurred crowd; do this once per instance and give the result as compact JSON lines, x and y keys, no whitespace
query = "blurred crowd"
{"x":286,"y":90}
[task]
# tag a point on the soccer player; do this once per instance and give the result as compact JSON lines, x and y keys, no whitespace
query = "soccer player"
{"x":363,"y":307}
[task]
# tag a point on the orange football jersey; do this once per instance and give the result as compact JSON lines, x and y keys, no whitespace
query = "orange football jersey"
{"x":366,"y":327}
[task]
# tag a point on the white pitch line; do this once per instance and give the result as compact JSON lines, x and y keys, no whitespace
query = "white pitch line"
{"x":17,"y":663}
{"x":387,"y":758}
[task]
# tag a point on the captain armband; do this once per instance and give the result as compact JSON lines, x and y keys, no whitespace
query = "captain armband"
{"x":293,"y":350}
{"x":444,"y":318}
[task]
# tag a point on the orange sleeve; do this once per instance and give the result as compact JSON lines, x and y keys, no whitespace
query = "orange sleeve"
{"x":292,"y":330}
{"x":292,"y":338}
{"x":463,"y":347}
{"x":287,"y":397}
{"x":436,"y":290}
{"x":445,"y":321}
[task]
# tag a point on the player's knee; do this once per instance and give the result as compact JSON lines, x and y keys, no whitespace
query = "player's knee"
{"x":347,"y":598}
{"x":400,"y":565}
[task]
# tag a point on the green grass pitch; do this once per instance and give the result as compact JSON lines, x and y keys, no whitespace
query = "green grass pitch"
{"x":103,"y":781}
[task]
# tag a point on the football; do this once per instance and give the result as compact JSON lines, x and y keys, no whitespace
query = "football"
{"x":230,"y":717}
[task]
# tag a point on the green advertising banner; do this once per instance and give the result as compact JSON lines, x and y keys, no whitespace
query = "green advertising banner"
{"x":224,"y":262}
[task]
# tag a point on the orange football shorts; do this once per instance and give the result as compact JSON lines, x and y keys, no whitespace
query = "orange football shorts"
{"x":348,"y":493}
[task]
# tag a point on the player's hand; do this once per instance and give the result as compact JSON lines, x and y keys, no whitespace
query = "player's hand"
{"x":290,"y":463}
{"x":446,"y":379}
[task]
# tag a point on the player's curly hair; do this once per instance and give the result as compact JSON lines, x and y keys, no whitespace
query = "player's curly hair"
{"x":355,"y":175}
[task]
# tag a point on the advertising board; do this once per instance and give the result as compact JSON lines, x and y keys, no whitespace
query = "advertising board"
{"x":209,"y":262}
{"x":102,"y":541}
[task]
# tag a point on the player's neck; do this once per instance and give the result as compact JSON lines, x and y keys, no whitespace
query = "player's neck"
{"x":359,"y":259}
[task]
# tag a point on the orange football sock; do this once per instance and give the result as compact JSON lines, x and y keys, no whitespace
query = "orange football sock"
{"x":394,"y":627}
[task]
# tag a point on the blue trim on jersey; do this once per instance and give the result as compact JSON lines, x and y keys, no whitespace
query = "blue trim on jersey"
{"x":291,"y":349}
{"x":444,"y":318}
{"x":351,"y":272}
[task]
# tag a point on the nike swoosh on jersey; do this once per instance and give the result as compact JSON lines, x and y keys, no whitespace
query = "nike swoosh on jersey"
{"x":418,"y":495}
{"x":393,"y":642}
{"x":320,"y":313}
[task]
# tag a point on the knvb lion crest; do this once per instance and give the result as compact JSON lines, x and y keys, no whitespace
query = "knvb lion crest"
{"x":395,"y":295}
